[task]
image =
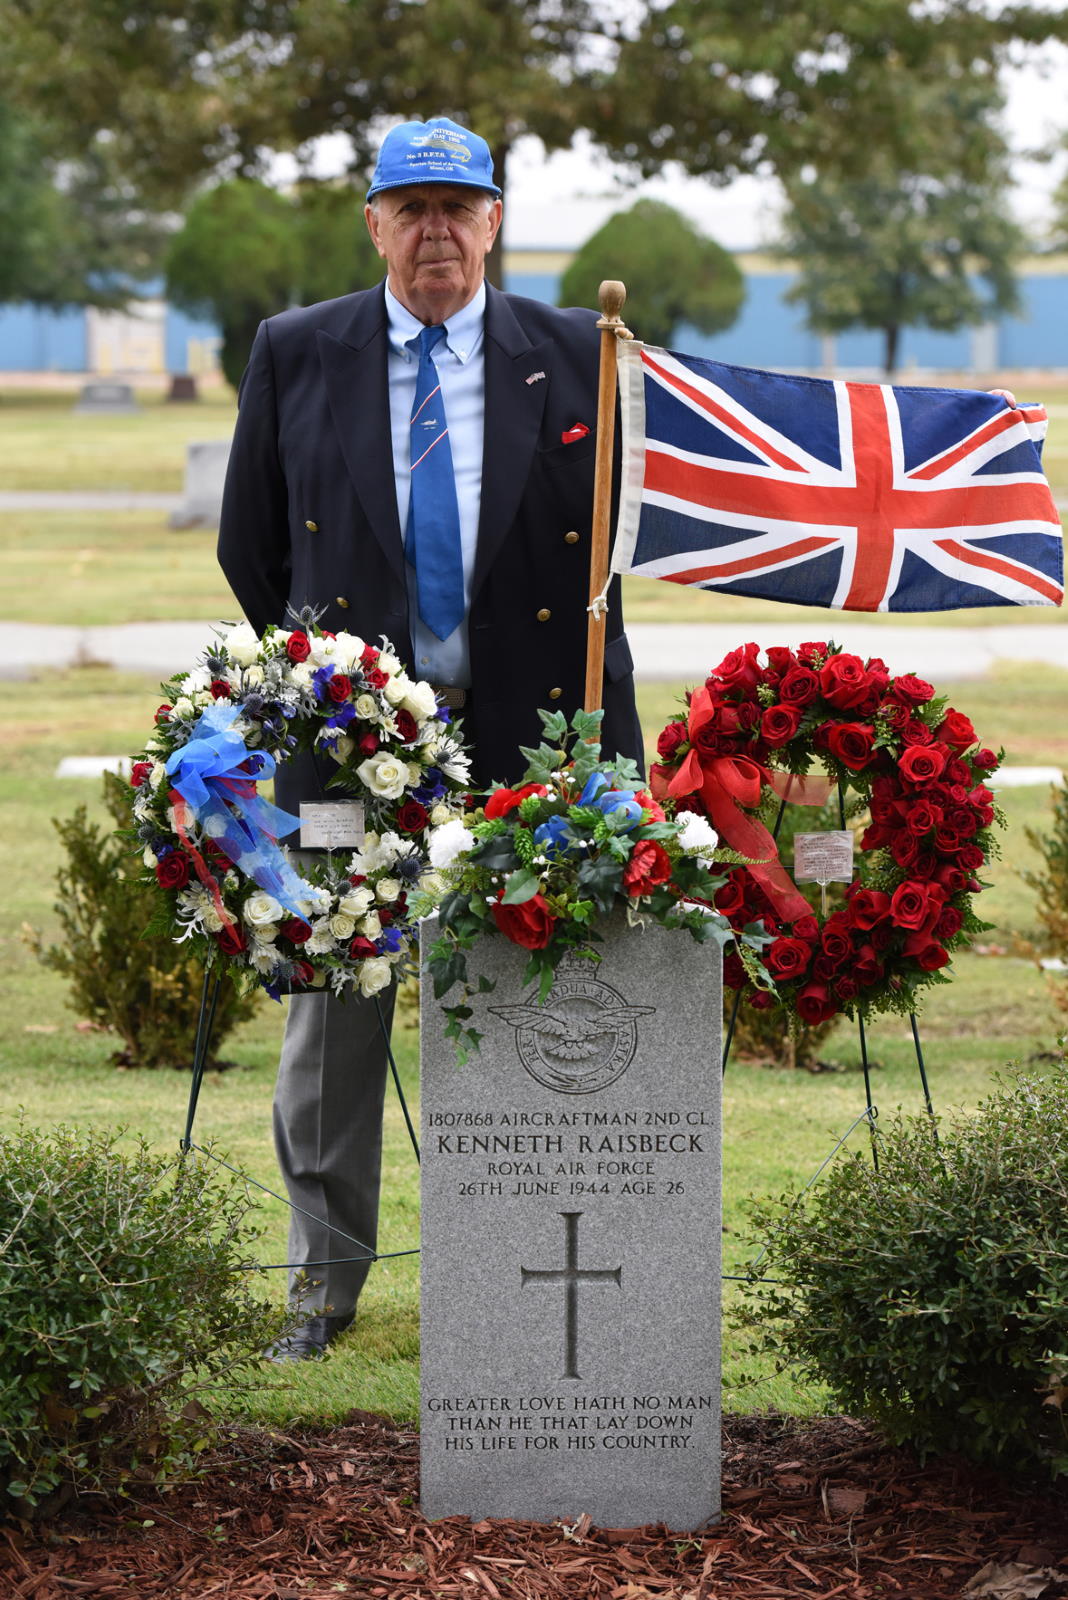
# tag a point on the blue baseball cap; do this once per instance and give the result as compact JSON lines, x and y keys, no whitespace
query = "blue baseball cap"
{"x":438,"y":151}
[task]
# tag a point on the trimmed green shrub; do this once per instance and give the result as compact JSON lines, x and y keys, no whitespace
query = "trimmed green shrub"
{"x":122,"y":1297}
{"x":146,"y":989}
{"x":931,"y":1295}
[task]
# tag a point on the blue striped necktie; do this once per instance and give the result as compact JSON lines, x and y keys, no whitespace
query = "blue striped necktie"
{"x":432,"y":540}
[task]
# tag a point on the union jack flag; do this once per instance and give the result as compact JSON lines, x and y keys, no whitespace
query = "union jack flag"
{"x":857,"y":496}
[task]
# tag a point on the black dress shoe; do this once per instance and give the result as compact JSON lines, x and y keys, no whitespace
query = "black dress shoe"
{"x":311,"y":1339}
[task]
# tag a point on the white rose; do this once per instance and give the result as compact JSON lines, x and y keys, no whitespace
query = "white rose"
{"x":370,"y":927}
{"x":211,"y":918}
{"x":356,"y":902}
{"x":149,"y":857}
{"x":157,"y":775}
{"x":432,"y":882}
{"x":388,"y":662}
{"x":183,"y":706}
{"x":415,"y":774}
{"x":448,"y":842}
{"x":697,"y":835}
{"x":420,"y":700}
{"x":265,"y":934}
{"x":317,"y":979}
{"x":343,"y":748}
{"x":439,"y":815}
{"x":301,"y":674}
{"x":242,"y":644}
{"x":397,"y":688}
{"x":349,"y":648}
{"x":375,"y":973}
{"x":260,"y":909}
{"x":254,"y":675}
{"x":387,"y":889}
{"x":384,"y":775}
{"x":342,"y":926}
{"x":366,"y":707}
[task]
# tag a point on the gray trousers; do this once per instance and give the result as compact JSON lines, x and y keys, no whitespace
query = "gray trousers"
{"x":328,"y":1135}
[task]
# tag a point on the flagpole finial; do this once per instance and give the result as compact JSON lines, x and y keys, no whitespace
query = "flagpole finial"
{"x":610,"y":298}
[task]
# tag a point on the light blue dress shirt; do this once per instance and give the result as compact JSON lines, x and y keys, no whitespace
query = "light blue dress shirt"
{"x":460,"y":366}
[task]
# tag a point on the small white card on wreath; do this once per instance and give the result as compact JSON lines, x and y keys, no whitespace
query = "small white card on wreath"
{"x":823,"y":857}
{"x":333,"y":825}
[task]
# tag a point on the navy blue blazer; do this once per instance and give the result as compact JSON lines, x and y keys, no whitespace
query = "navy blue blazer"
{"x":309,"y":513}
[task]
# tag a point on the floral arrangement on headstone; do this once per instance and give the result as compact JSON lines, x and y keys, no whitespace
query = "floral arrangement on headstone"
{"x":210,"y":841}
{"x":748,"y":743}
{"x":547,"y":862}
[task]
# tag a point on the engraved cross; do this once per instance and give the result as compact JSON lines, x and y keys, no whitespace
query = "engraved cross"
{"x":571,"y":1275}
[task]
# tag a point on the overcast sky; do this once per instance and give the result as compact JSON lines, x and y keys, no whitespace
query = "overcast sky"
{"x":561,"y":199}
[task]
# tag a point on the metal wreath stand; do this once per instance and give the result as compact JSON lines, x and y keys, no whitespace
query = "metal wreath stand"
{"x":611,"y":298}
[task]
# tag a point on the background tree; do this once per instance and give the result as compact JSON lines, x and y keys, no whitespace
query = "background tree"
{"x":189,"y":87}
{"x":71,"y":233}
{"x":672,"y":272}
{"x":247,"y":251}
{"x":892,"y":248}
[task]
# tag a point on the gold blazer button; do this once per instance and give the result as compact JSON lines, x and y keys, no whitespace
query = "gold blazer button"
{"x":544,"y":614}
{"x":571,"y":538}
{"x":312,"y":527}
{"x":554,"y":694}
{"x":342,"y":602}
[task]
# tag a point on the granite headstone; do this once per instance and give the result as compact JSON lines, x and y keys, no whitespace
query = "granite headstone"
{"x":571,"y":1240}
{"x":105,"y":397}
{"x":205,"y":474}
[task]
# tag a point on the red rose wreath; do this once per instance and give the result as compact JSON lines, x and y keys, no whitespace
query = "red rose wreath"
{"x":751,"y":734}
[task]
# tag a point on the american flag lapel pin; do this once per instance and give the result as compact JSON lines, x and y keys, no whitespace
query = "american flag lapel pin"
{"x":535,"y":377}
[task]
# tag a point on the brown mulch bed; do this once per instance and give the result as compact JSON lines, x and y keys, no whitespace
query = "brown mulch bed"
{"x":818,"y":1509}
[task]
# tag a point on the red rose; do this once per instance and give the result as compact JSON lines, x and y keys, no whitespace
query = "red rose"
{"x":729,"y":898}
{"x":163,"y":713}
{"x":912,"y":903}
{"x":904,"y":847}
{"x":867,"y":968}
{"x":916,"y":732}
{"x":912,"y":690}
{"x":815,"y":1003}
{"x":654,"y":813}
{"x":671,"y":737}
{"x":806,"y":927}
{"x":172,"y":870}
{"x":851,"y":743}
{"x":295,"y":930}
{"x":502,"y":801}
{"x":867,"y":907}
{"x":530,"y":924}
{"x":927,"y":953}
{"x":844,"y":681}
{"x":761,"y":999}
{"x":947,"y":840}
{"x":231,"y":940}
{"x":740,"y":669}
{"x":956,"y":730}
{"x":385,"y":916}
{"x":368,"y":743}
{"x":376,"y":678}
{"x":799,"y":687}
{"x":412,"y":817}
{"x":407,"y":727}
{"x":139,"y":773}
{"x":812,"y":655}
{"x":836,"y":940}
{"x":780,"y":660}
{"x":922,"y":763}
{"x":923,"y":817}
{"x":788,"y":958}
{"x":220,"y":689}
{"x":303,"y":974}
{"x":824,"y":967}
{"x":971,"y":858}
{"x":361,"y":947}
{"x":779,"y":724}
{"x":950,"y":878}
{"x":298,"y":646}
{"x":734,"y":973}
{"x":950,"y":922}
{"x":986,"y":759}
{"x":649,"y":865}
{"x":369,"y":655}
{"x":845,"y":987}
{"x":339,"y":687}
{"x":357,"y":878}
{"x":895,"y":714}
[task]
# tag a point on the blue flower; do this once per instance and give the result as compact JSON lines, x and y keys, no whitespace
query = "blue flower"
{"x":320,"y":678}
{"x":597,"y":793}
{"x":553,"y":837}
{"x":389,"y":941}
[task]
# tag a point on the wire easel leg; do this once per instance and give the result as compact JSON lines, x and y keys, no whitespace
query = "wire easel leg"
{"x":396,"y":1079}
{"x":872,"y":1113}
{"x":209,"y":996}
{"x":923,"y":1075}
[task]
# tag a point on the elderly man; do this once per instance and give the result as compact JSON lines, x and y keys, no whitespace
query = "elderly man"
{"x":415,"y":460}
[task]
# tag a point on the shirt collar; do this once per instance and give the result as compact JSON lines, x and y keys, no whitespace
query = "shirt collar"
{"x":463,"y":330}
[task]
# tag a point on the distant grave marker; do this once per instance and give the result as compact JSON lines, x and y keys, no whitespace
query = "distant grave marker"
{"x":205,"y":474}
{"x":104,"y":397}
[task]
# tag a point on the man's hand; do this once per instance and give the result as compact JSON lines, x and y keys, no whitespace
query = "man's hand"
{"x":1006,"y":394}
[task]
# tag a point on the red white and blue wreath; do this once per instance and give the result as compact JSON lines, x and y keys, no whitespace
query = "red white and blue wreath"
{"x":210,"y":841}
{"x":750,"y":738}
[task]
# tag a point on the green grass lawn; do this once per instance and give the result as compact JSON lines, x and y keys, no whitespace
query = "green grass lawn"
{"x":778,"y":1125}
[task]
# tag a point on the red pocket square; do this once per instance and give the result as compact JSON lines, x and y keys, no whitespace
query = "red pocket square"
{"x":579,"y":430}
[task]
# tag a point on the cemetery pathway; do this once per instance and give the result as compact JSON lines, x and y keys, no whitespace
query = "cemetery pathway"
{"x":816,"y":1508}
{"x":664,"y":651}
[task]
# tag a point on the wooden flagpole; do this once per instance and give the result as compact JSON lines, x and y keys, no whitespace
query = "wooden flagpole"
{"x":610,"y":298}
